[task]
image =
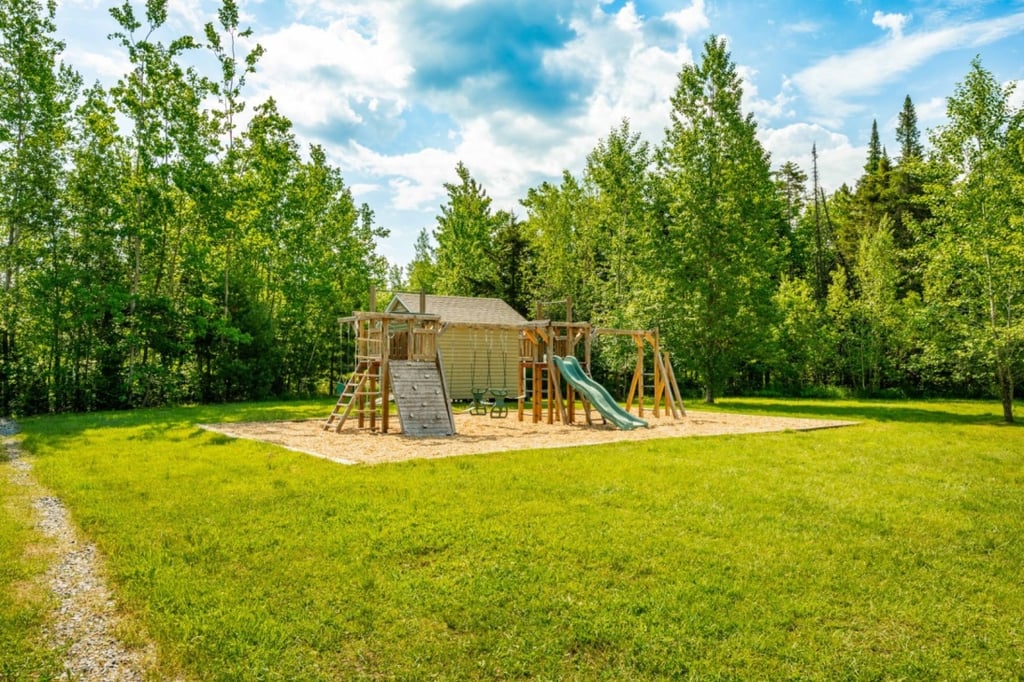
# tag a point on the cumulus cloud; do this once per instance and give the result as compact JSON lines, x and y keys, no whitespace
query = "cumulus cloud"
{"x":320,"y":74}
{"x":779,"y":106}
{"x":893,"y":23}
{"x":510,"y":144}
{"x":839,"y":161}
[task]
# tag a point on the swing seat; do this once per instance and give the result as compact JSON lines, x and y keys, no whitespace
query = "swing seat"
{"x":499,"y":410}
{"x":479,"y":406}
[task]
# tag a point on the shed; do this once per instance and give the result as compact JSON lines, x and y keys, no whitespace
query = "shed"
{"x":480,"y":342}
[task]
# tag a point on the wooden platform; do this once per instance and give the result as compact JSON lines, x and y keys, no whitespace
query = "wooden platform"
{"x":422,"y":401}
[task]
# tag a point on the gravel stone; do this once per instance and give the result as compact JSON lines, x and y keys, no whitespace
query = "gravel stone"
{"x":86,"y":618}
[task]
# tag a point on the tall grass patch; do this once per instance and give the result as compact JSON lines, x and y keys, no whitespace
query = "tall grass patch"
{"x":24,"y":600}
{"x":888,"y":549}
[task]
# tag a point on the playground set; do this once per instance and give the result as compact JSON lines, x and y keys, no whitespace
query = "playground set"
{"x":397,"y":354}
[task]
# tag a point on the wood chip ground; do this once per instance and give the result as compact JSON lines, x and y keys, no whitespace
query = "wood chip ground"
{"x":482,"y":434}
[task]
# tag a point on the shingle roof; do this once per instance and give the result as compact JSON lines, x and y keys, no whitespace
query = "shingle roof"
{"x":459,"y":309}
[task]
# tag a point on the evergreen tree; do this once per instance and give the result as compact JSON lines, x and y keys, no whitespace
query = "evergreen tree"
{"x":874,"y":150}
{"x":723,"y":222}
{"x":463,"y":235}
{"x":513,"y":254}
{"x":907,"y":134}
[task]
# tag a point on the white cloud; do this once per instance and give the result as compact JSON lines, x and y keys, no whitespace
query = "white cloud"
{"x":839,"y":161}
{"x":931,"y":112}
{"x":1017,"y":96}
{"x":893,"y":23}
{"x":318,"y":74}
{"x":690,"y":20}
{"x":832,"y":83}
{"x":802,"y":27}
{"x":764,"y":109}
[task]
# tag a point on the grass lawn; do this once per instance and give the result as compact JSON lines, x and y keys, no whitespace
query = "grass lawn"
{"x":892,"y":549}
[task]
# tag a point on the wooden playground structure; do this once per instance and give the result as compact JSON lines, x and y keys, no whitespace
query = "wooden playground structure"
{"x":397,"y":355}
{"x":541,"y":341}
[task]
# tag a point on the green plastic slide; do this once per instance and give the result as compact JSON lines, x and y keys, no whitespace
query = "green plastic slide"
{"x":598,"y":396}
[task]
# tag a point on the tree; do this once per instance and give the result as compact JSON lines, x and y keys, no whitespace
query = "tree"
{"x":421,"y":272}
{"x":974,"y":283}
{"x":621,"y":231}
{"x":513,"y":261}
{"x":878,"y":307}
{"x":907,"y":134}
{"x":36,"y":94}
{"x":791,"y":184}
{"x":464,"y":232}
{"x":558,"y":220}
{"x":232,"y":79}
{"x":723,"y":222}
{"x":802,"y":338}
{"x":875,"y":152}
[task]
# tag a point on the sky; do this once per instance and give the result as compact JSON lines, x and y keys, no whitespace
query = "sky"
{"x":398,"y":92}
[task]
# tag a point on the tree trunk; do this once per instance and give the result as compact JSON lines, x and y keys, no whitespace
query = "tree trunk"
{"x":1005,"y":376}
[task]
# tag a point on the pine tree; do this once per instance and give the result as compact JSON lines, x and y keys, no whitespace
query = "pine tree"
{"x":463,"y":235}
{"x":874,"y":150}
{"x":907,"y":134}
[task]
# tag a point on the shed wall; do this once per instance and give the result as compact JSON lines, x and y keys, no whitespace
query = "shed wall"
{"x":461,"y":345}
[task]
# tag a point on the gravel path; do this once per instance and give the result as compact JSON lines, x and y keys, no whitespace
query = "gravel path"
{"x":86,"y":619}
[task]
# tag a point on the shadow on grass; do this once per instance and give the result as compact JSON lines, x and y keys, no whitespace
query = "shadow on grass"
{"x":881,"y":411}
{"x":154,"y":423}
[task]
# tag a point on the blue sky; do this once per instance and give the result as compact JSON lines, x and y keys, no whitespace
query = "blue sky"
{"x":399,"y":91}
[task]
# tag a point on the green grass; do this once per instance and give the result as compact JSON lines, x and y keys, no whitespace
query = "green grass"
{"x":24,"y":556}
{"x":888,"y":550}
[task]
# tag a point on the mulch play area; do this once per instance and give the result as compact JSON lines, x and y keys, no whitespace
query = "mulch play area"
{"x":482,"y":434}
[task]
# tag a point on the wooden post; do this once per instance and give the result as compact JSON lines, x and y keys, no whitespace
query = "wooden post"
{"x":659,"y":380}
{"x":423,"y":302}
{"x":640,"y":371}
{"x":373,"y":298}
{"x":385,"y":383}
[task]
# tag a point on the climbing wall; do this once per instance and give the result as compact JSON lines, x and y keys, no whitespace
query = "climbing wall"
{"x":422,"y":402}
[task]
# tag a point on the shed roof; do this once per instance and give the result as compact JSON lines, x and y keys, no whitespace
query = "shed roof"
{"x":459,"y":309}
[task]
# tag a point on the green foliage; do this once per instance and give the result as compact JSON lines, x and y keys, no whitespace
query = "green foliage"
{"x":724,"y":222}
{"x":421,"y":272}
{"x":154,"y":255}
{"x":889,"y":548}
{"x":465,"y":267}
{"x":974,"y":283}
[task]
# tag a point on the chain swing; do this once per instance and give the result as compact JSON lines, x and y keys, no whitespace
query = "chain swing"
{"x":498,"y":408}
{"x":479,"y":406}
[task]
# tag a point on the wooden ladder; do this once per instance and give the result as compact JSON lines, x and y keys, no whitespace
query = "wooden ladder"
{"x":362,"y":394}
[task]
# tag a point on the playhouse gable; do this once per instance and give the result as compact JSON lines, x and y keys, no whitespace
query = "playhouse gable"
{"x":458,"y":310}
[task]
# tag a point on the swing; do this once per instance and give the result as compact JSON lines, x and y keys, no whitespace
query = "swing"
{"x":499,"y":410}
{"x":479,"y":406}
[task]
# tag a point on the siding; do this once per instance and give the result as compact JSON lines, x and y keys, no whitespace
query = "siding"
{"x":457,"y":346}
{"x":460,"y":344}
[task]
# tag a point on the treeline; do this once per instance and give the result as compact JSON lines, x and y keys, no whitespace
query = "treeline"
{"x":910,"y":283}
{"x":153,"y":252}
